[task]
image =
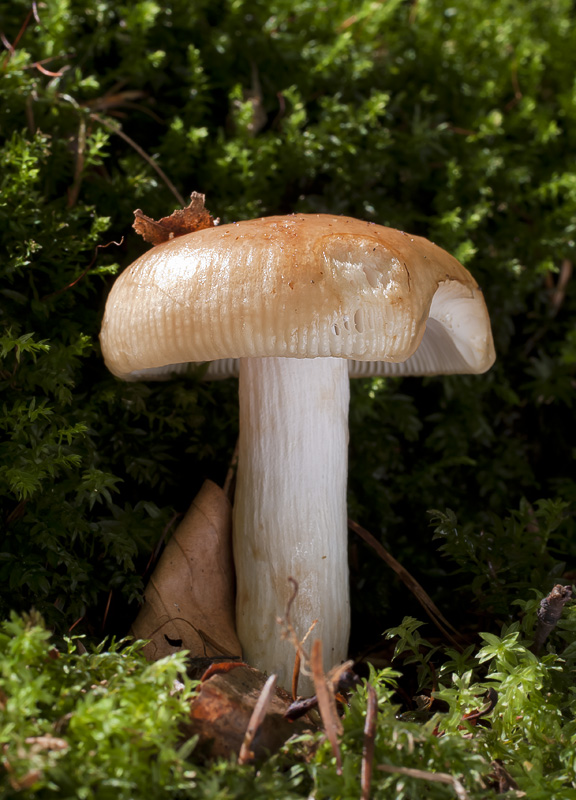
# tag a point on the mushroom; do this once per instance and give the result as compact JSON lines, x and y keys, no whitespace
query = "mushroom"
{"x":294,"y":298}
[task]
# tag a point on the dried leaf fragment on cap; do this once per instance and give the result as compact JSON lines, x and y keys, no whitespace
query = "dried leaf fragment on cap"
{"x":184,"y":220}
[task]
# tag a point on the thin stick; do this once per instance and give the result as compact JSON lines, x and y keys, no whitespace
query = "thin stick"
{"x":296,"y":675}
{"x":246,"y":755}
{"x":559,"y":292}
{"x":85,"y":272}
{"x":433,"y":777}
{"x":71,"y":628}
{"x":47,"y":72}
{"x":368,"y":746}
{"x":505,"y":780}
{"x":107,"y":609}
{"x":74,"y":190}
{"x":12,"y":47}
{"x":423,"y":598}
{"x":326,"y":703}
{"x":142,"y":153}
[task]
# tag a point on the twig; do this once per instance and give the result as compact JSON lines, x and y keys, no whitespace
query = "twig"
{"x":296,"y":675}
{"x":340,"y":679}
{"x":368,"y":746}
{"x":12,"y":47}
{"x":119,"y":132}
{"x":85,"y":272}
{"x":74,"y":190}
{"x":423,"y":598}
{"x":38,"y":65}
{"x":433,"y":777}
{"x":290,"y":602}
{"x":517,"y":91}
{"x":549,"y":614}
{"x":559,"y":293}
{"x":505,"y":780}
{"x":222,"y":667}
{"x":107,"y":609}
{"x":326,"y":703}
{"x":290,"y":633}
{"x":29,"y":107}
{"x":246,"y":755}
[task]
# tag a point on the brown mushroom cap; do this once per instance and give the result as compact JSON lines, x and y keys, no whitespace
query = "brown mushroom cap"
{"x":298,"y":286}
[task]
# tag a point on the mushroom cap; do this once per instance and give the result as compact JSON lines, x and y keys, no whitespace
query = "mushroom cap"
{"x":302,"y":286}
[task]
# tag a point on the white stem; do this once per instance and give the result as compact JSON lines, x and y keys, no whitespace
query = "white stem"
{"x":290,"y":509}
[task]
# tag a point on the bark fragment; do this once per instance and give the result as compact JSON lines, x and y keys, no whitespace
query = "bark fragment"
{"x":221,"y":712}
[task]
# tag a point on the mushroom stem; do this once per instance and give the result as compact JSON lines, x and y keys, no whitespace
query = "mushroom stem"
{"x":290,"y":508}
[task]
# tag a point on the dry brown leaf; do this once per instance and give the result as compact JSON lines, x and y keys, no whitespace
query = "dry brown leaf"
{"x":222,"y":711}
{"x":189,"y":600}
{"x":184,"y":220}
{"x":326,"y":703}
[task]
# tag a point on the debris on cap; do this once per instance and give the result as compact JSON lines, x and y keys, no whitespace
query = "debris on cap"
{"x":194,"y":217}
